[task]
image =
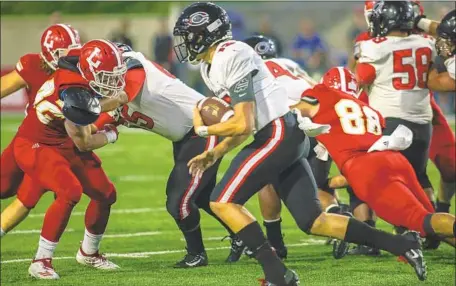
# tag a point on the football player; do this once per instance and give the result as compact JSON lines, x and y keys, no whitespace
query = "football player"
{"x":442,"y":151}
{"x":232,"y":70}
{"x":393,"y":67}
{"x":49,"y":146}
{"x":31,"y":71}
{"x":379,"y":175}
{"x":155,"y":100}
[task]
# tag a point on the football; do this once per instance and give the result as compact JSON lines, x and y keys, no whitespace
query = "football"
{"x":214,"y":110}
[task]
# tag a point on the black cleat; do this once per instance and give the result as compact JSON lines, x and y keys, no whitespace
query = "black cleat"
{"x":340,"y":249}
{"x":192,"y":260}
{"x":282,"y":252}
{"x":237,"y":248}
{"x":364,"y":250}
{"x":291,"y":279}
{"x":414,"y":257}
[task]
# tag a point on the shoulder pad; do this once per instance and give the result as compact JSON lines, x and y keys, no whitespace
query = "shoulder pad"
{"x":132,"y":63}
{"x":69,"y":63}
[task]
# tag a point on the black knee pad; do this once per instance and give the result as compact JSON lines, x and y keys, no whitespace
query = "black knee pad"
{"x":354,"y":200}
{"x":306,"y":220}
{"x":189,"y":223}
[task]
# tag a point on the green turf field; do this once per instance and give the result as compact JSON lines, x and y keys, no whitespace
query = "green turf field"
{"x":144,"y":240}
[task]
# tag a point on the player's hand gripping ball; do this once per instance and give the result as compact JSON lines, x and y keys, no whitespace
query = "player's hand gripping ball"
{"x":214,"y":110}
{"x":80,"y":105}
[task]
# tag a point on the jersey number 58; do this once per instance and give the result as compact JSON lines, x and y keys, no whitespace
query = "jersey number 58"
{"x":414,"y":65}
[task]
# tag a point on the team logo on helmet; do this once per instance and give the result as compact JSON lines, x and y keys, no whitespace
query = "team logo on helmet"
{"x":198,"y":18}
{"x":262,"y":48}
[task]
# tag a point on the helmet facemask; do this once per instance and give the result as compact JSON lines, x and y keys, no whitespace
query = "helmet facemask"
{"x":109,"y":83}
{"x":56,"y":54}
{"x":188,"y":46}
{"x":445,"y":47}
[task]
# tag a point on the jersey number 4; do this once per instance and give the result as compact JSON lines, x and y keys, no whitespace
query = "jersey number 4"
{"x":278,"y":71}
{"x":357,"y":120}
{"x":414,"y":65}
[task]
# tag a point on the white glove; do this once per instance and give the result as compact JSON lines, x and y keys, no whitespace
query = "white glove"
{"x":400,"y":139}
{"x":311,"y":129}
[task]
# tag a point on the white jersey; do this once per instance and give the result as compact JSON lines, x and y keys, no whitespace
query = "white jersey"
{"x":165,"y":99}
{"x":232,"y":61}
{"x":401,"y":64}
{"x":286,"y":73}
{"x":450,"y":66}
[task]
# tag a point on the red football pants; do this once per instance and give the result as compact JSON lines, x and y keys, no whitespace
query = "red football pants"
{"x":65,"y":173}
{"x":11,"y":174}
{"x":387,"y":183}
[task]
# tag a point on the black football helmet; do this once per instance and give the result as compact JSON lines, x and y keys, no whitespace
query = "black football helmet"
{"x":390,"y":16}
{"x":263,"y":46}
{"x":446,"y":35}
{"x":200,"y":26}
{"x":80,"y":105}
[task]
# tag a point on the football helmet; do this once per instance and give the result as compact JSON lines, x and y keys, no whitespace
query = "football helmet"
{"x":341,"y":79}
{"x":388,"y":16}
{"x":56,"y":40}
{"x":446,"y":35}
{"x":200,"y":26}
{"x":80,"y":106}
{"x":101,"y":64}
{"x":263,"y":46}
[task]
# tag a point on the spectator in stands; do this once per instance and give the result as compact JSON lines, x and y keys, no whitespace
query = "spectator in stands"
{"x":163,"y":46}
{"x":266,"y":30}
{"x":309,"y":50}
{"x":122,"y":35}
{"x":358,"y":26}
{"x":237,"y":25}
{"x":55,"y":18}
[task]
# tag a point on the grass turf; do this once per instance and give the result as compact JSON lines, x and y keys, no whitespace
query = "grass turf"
{"x":139,"y":164}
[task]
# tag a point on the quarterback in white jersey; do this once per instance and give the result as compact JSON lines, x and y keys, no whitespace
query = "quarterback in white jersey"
{"x":393,"y":65}
{"x":155,"y":100}
{"x":277,"y":154}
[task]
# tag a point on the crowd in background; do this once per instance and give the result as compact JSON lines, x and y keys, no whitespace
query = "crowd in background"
{"x":308,"y":47}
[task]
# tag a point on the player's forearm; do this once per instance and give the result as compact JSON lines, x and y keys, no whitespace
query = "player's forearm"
{"x":8,"y":86}
{"x":428,"y":26}
{"x":337,"y":182}
{"x":110,"y":104}
{"x":92,"y":142}
{"x":441,"y":82}
{"x":242,"y":123}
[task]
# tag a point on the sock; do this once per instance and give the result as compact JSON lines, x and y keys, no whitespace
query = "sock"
{"x":442,"y":207}
{"x":370,"y":223}
{"x":360,"y":233}
{"x":274,"y":232}
{"x":2,"y":233}
{"x":91,"y":242}
{"x":194,"y":239}
{"x":45,"y":248}
{"x":273,"y":268}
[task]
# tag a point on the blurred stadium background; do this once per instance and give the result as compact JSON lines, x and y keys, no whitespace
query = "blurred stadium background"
{"x":317,"y":35}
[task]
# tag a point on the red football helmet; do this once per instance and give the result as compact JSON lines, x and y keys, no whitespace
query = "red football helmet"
{"x":102,"y":66}
{"x":368,"y":7}
{"x":341,"y":79}
{"x":56,"y":41}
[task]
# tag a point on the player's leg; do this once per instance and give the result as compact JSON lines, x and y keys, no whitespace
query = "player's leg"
{"x":442,"y":153}
{"x":102,"y":194}
{"x":28,"y":195}
{"x":253,"y":167}
{"x":11,"y":174}
{"x":49,"y":168}
{"x":270,"y":207}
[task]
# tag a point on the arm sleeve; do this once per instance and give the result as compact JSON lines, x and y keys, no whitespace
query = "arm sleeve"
{"x":365,"y":73}
{"x":23,"y":68}
{"x":134,"y":81}
{"x":105,"y":118}
{"x":242,"y":91}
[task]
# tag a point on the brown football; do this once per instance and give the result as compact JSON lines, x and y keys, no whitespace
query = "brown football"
{"x":214,"y":110}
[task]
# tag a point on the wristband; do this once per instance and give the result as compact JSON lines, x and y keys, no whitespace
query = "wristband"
{"x":111,"y":135}
{"x":424,"y":24}
{"x":202,"y":131}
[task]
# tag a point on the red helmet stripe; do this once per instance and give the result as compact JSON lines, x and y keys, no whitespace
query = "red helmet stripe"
{"x":69,"y":32}
{"x":115,"y":49}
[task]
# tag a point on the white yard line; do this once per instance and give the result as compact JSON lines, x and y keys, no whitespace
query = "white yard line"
{"x":114,"y":211}
{"x":31,"y":231}
{"x":123,"y":235}
{"x":152,"y":253}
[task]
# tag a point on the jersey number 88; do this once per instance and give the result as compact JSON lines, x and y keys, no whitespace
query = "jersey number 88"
{"x":357,"y":120}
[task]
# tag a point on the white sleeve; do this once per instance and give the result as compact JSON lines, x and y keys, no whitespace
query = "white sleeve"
{"x":370,"y":52}
{"x":239,"y":62}
{"x":450,"y":65}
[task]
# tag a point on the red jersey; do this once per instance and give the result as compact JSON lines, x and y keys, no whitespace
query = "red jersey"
{"x":355,"y":126}
{"x":29,"y":67}
{"x":44,"y":122}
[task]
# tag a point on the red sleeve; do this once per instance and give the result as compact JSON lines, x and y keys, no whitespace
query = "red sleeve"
{"x":134,"y":81}
{"x":104,"y":119}
{"x":27,"y":67}
{"x":365,"y":73}
{"x":364,"y":36}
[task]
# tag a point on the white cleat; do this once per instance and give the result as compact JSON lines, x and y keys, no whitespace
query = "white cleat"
{"x":95,"y":260}
{"x":42,"y":269}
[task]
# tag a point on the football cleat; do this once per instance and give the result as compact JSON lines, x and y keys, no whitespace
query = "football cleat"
{"x":237,"y":248}
{"x":364,"y":250}
{"x":43,"y":269}
{"x":414,"y":257}
{"x":291,"y":279}
{"x":282,"y":252}
{"x":340,"y":247}
{"x":431,"y":243}
{"x":192,"y":260}
{"x":95,"y":260}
